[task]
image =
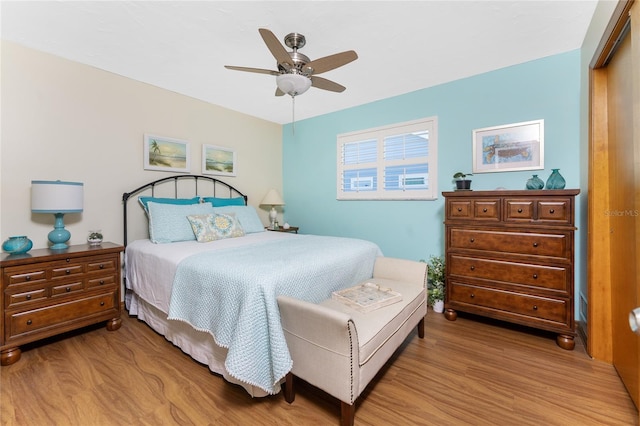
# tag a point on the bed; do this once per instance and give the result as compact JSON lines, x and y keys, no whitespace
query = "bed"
{"x":211,"y":290}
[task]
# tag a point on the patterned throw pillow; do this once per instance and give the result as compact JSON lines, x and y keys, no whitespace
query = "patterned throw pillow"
{"x":216,"y":226}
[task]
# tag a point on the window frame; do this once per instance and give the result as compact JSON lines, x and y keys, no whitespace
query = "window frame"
{"x":379,"y":134}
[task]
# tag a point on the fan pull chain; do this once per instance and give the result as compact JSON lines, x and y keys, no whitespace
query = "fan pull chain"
{"x":293,"y":115}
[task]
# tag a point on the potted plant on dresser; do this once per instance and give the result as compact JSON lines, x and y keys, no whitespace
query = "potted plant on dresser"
{"x":435,"y":283}
{"x":462,"y":183}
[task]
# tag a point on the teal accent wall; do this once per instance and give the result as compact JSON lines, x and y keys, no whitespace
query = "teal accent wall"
{"x":547,"y":88}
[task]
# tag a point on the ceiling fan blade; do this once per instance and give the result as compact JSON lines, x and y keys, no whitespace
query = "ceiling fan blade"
{"x":323,"y":83}
{"x":279,"y":92}
{"x":277,"y":49}
{"x":331,"y":62}
{"x":257,"y":70}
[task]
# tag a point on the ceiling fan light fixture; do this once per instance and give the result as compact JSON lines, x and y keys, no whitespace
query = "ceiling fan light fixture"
{"x":293,"y":84}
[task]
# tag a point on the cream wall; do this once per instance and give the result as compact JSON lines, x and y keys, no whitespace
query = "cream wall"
{"x":68,"y":121}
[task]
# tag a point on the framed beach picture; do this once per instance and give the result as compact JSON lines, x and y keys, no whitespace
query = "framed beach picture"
{"x":166,"y":154}
{"x":518,"y":146}
{"x":217,"y":160}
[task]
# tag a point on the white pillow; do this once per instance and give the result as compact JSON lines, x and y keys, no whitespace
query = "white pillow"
{"x":168,"y":223}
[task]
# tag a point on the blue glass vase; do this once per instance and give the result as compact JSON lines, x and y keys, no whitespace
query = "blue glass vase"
{"x":535,"y":183}
{"x":555,"y":181}
{"x":17,"y":245}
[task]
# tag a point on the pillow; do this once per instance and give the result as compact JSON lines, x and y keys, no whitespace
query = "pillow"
{"x":220,"y":202}
{"x":168,"y":223}
{"x":215,"y":226}
{"x":180,"y":201}
{"x":246,"y":215}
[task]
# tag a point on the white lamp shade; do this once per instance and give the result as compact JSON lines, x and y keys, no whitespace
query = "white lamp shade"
{"x":49,"y":196}
{"x":293,"y":84}
{"x":273,"y":198}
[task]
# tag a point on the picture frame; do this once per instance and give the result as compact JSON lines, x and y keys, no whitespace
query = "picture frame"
{"x":166,"y":154}
{"x":510,"y":147}
{"x":218,"y":160}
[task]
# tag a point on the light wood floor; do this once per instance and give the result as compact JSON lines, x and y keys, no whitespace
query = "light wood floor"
{"x":470,"y":371}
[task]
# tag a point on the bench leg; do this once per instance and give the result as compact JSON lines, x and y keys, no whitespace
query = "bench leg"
{"x":289,"y":391}
{"x":421,"y":328}
{"x":348,"y":414}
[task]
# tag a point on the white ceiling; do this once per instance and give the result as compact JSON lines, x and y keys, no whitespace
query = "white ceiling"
{"x":402,"y":46}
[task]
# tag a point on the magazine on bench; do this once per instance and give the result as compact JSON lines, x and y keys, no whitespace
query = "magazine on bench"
{"x":367,"y":297}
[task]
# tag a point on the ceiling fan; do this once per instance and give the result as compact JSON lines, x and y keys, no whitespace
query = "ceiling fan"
{"x":296,"y":72}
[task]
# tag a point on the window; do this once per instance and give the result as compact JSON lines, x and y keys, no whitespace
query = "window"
{"x":397,"y":162}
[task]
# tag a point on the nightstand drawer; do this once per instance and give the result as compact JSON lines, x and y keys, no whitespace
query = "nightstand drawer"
{"x":542,"y":276}
{"x":550,"y":309}
{"x":31,"y":321}
{"x":67,"y":270}
{"x":101,"y":281}
{"x":17,"y":276}
{"x":67,"y":288}
{"x":106,"y":264}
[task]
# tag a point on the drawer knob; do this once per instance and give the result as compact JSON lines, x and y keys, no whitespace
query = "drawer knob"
{"x":68,"y":289}
{"x":472,"y":240}
{"x":459,"y":209}
{"x":484,"y":210}
{"x":68,"y":260}
{"x":68,"y":271}
{"x":535,"y":244}
{"x":102,"y":304}
{"x":519,"y":210}
{"x":473,"y":268}
{"x":28,"y":297}
{"x":535,"y":276}
{"x":101,"y":282}
{"x":473,"y":295}
{"x":27,"y":278}
{"x":552,"y":211}
{"x":535,"y":307}
{"x":29,"y":322}
{"x":101,"y":266}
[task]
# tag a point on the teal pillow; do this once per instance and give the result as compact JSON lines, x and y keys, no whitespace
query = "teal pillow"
{"x":168,"y":223}
{"x":144,"y":200}
{"x":215,"y":226}
{"x":221,"y":202}
{"x":246,"y":215}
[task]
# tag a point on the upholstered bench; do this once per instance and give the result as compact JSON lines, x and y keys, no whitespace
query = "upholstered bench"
{"x":340,"y":349}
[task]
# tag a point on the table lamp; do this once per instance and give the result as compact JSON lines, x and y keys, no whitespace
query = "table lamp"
{"x":57,"y":197}
{"x":273,"y":198}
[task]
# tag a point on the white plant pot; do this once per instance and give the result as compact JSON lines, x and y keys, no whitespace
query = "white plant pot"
{"x":438,"y":306}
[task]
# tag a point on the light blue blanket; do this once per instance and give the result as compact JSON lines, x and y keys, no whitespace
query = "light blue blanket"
{"x":231,"y":294}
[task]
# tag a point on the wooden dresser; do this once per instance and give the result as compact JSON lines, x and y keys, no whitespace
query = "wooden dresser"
{"x":47,"y":292}
{"x":510,"y":256}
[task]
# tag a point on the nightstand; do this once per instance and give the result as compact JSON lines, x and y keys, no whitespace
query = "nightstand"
{"x":281,"y":229}
{"x":47,"y":292}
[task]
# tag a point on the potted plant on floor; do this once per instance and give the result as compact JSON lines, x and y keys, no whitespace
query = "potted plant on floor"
{"x":462,"y":183}
{"x":435,"y":283}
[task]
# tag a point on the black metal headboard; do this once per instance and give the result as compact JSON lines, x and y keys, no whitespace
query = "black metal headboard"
{"x":208,"y":187}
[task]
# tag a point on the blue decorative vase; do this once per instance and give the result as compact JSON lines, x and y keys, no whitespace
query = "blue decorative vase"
{"x":555,"y":181}
{"x":535,"y":183}
{"x":17,"y":245}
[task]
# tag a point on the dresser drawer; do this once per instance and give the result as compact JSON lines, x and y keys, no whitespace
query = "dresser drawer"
{"x":519,"y":210}
{"x":31,"y":296}
{"x":551,"y":245}
{"x":37,"y":319}
{"x":67,"y":270}
{"x":547,"y":277}
{"x":555,"y":310}
{"x":101,"y":281}
{"x":558,"y":211}
{"x":24,"y":275}
{"x":482,"y":209}
{"x":106,"y":264}
{"x":553,"y":210}
{"x":67,"y":288}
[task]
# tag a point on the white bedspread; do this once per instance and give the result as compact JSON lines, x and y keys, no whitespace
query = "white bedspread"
{"x":229,"y":291}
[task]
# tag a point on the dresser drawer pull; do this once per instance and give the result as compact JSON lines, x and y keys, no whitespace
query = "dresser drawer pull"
{"x":29,"y":322}
{"x":27,"y":278}
{"x":459,"y":209}
{"x":473,"y":295}
{"x":102,"y":304}
{"x":68,"y":260}
{"x":101,"y":282}
{"x":484,"y":210}
{"x":552,"y":211}
{"x":535,"y":244}
{"x":472,"y":240}
{"x":68,"y":289}
{"x":473,"y":268}
{"x":535,"y":307}
{"x":28,"y":297}
{"x":68,"y":271}
{"x":101,"y":266}
{"x":535,"y":276}
{"x":519,"y":210}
